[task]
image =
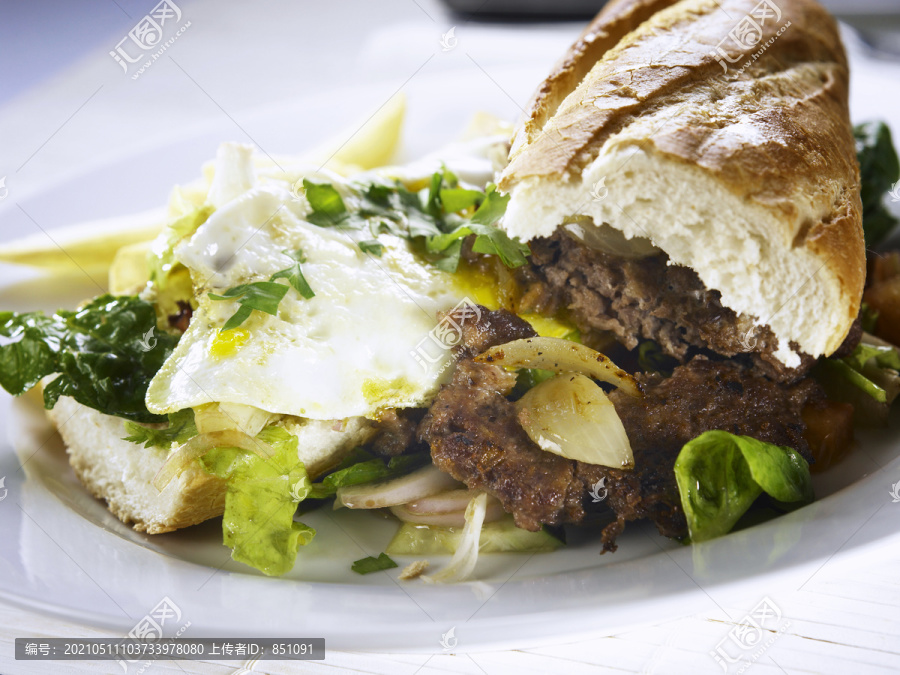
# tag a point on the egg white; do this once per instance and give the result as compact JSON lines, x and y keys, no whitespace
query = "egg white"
{"x":352,"y":350}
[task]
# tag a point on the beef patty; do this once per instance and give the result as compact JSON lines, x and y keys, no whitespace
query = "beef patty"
{"x":646,"y":298}
{"x":474,"y":434}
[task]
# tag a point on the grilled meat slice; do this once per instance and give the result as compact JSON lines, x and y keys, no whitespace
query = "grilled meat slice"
{"x":474,"y":434}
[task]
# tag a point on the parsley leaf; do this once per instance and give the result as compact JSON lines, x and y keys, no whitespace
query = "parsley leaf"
{"x":180,"y":430}
{"x":372,"y":246}
{"x":295,"y":276}
{"x":455,"y":200}
{"x":264,"y":296}
{"x":328,"y":207}
{"x":372,"y":564}
{"x":439,"y":214}
{"x":105,"y":354}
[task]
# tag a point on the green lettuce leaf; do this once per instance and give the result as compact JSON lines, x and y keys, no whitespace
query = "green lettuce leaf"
{"x":868,"y":317}
{"x":883,"y":355}
{"x":181,"y":429}
{"x":260,"y":501}
{"x":105,"y":355}
{"x":840,"y":369}
{"x":372,"y":246}
{"x":870,"y":368}
{"x":720,"y":475}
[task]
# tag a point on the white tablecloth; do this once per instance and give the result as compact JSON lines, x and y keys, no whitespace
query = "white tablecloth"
{"x":69,"y":106}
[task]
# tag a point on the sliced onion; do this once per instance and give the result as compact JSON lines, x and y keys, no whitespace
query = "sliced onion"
{"x":448,"y":518}
{"x":571,"y":416}
{"x":446,"y":502}
{"x":869,"y":339}
{"x":462,"y":564}
{"x":606,"y":238}
{"x":424,"y":482}
{"x":199,"y":445}
{"x":560,"y":356}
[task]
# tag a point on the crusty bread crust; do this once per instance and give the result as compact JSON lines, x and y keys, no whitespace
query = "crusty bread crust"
{"x":771,"y":129}
{"x":614,"y":21}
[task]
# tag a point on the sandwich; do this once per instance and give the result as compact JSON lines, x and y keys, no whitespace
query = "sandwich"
{"x":643,"y":303}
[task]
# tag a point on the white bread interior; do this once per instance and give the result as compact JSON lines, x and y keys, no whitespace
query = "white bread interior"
{"x":747,"y":176}
{"x":736,"y":246}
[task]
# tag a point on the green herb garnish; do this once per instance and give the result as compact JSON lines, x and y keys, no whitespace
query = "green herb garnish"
{"x":105,"y":354}
{"x":879,"y":172}
{"x":364,"y":468}
{"x":180,"y":430}
{"x":265,"y":296}
{"x":720,"y":475}
{"x":372,"y":246}
{"x":371,"y":564}
{"x":440,"y":215}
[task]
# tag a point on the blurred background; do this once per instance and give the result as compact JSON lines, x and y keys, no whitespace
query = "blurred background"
{"x":71,"y":101}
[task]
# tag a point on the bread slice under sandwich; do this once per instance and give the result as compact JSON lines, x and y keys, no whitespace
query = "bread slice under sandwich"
{"x":121,"y":472}
{"x":719,"y":130}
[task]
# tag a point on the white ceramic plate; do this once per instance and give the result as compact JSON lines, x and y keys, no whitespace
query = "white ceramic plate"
{"x":62,"y":552}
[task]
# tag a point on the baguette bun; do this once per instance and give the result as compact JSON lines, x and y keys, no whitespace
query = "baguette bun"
{"x":737,"y":163}
{"x":121,"y":472}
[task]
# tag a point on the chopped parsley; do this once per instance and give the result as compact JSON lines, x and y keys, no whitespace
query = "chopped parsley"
{"x":265,"y":296}
{"x":441,"y":215}
{"x":372,"y":564}
{"x":181,"y":429}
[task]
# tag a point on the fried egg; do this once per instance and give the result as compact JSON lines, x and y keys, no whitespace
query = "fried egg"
{"x":361,"y":345}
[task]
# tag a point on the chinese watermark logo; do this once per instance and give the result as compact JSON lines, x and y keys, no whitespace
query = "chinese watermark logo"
{"x":448,"y":40}
{"x":3,"y":191}
{"x":748,"y":34}
{"x":148,"y":342}
{"x":299,"y":491}
{"x":744,"y":642}
{"x":151,"y":627}
{"x":894,"y":193}
{"x":448,"y":639}
{"x":595,"y":492}
{"x":3,"y":490}
{"x":749,"y":340}
{"x":298,"y":192}
{"x":146,"y":35}
{"x":599,"y":191}
{"x":447,"y":334}
{"x":895,"y":492}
